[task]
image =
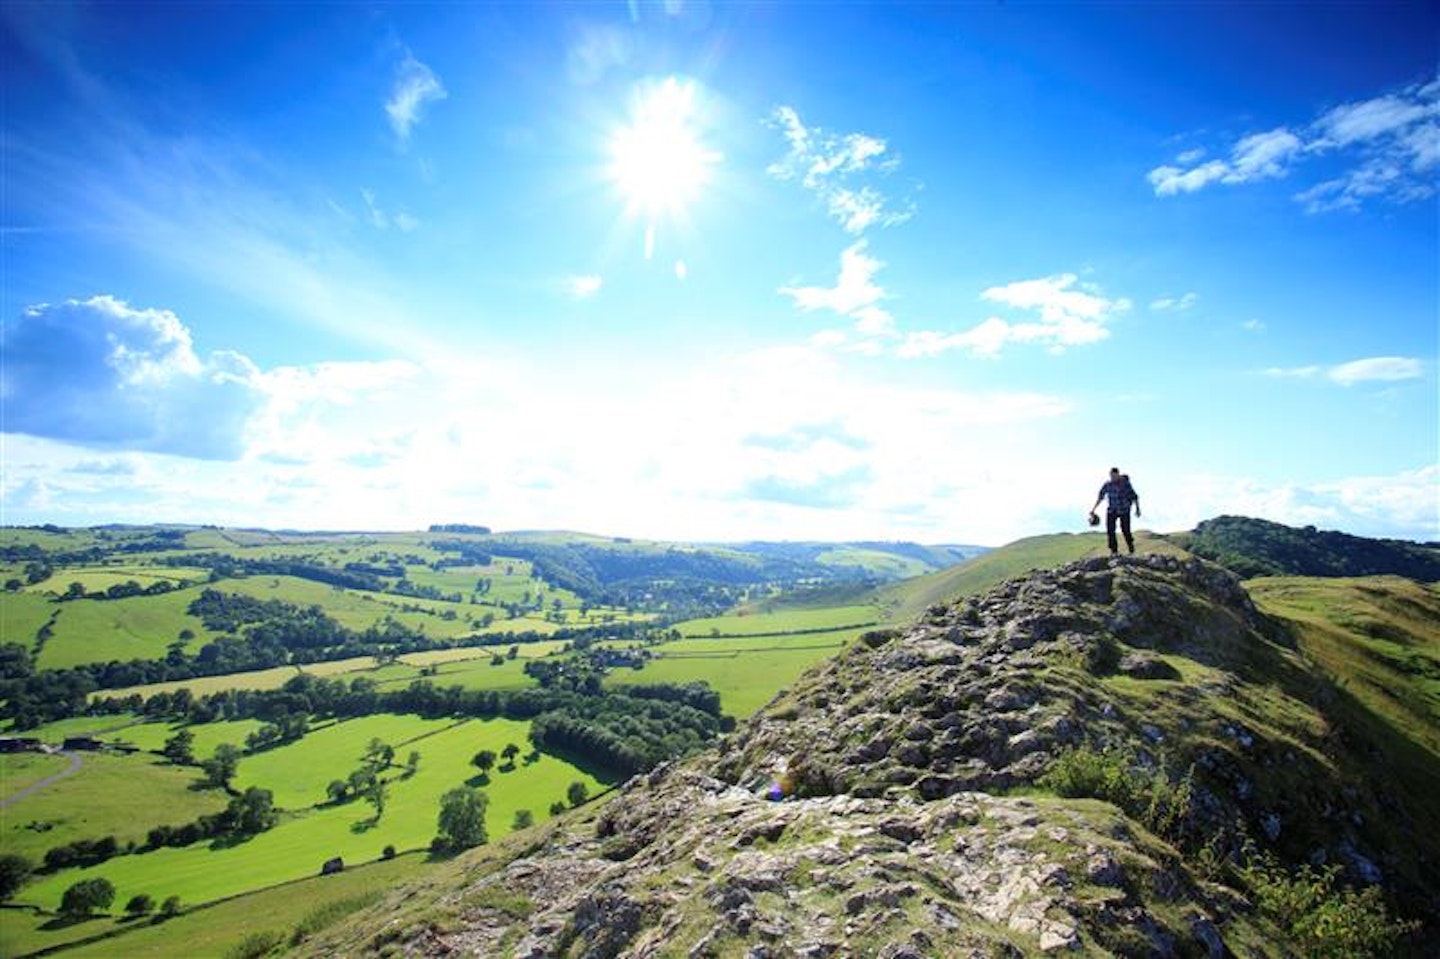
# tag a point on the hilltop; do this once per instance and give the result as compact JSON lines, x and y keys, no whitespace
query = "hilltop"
{"x":1257,"y":547}
{"x":1115,"y":756}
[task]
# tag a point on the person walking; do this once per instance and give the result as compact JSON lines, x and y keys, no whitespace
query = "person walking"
{"x":1119,"y":496}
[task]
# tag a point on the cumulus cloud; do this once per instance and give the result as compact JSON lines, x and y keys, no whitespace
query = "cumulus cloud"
{"x":854,"y":288}
{"x":841,"y":169}
{"x":100,"y":373}
{"x":1381,"y":369}
{"x":415,"y":86}
{"x":1388,"y":145}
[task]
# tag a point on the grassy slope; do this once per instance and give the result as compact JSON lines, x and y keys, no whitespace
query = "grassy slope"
{"x":211,"y":931}
{"x":905,"y":601}
{"x":120,"y":796}
{"x":759,"y":624}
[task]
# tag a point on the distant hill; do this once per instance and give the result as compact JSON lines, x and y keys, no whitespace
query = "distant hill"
{"x":906,"y":600}
{"x":1257,"y":547}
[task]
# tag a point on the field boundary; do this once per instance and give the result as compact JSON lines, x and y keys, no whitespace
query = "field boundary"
{"x":781,"y":632}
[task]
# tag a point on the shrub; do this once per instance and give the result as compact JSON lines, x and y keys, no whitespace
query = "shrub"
{"x":1327,"y":921}
{"x":388,"y":852}
{"x":1147,"y":795}
{"x":14,"y":870}
{"x":140,"y":905}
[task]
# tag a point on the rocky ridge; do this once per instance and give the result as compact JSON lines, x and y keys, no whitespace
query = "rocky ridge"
{"x":888,"y":804}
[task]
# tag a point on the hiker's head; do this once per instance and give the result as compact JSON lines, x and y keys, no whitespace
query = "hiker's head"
{"x":1114,"y":472}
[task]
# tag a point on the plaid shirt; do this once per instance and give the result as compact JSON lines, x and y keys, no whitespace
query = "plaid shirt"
{"x":1120,"y":495}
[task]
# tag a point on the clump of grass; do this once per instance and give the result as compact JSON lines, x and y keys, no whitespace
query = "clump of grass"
{"x":1144,"y":794}
{"x":1325,"y":919}
{"x":255,"y":945}
{"x":328,"y":914}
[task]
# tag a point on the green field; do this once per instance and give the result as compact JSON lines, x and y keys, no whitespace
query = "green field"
{"x":58,"y":731}
{"x":120,"y":796}
{"x":19,"y":771}
{"x":137,"y":627}
{"x":152,"y":736}
{"x":97,"y":579}
{"x":21,"y":616}
{"x":302,"y":842}
{"x":789,"y":621}
{"x":212,"y":931}
{"x":747,"y":673}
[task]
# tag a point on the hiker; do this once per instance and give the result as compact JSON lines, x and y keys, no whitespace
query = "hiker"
{"x":1120,"y":496}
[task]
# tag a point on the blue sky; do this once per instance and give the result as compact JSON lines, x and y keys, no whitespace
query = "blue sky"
{"x":720,"y":271}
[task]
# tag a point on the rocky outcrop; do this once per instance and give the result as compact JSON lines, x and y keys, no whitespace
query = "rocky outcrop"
{"x":873,"y":809}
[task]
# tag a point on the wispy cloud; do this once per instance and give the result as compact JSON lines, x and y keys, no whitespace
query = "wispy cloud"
{"x":415,"y":86}
{"x":1389,"y":146}
{"x":1168,"y":304}
{"x":583,"y":286}
{"x":843,"y":170}
{"x":1382,"y":369}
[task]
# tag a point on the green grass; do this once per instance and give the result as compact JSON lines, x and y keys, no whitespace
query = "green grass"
{"x":18,"y":771}
{"x":120,"y":796}
{"x":875,"y":562}
{"x":746,"y":679}
{"x":61,"y":729}
{"x":21,"y":616}
{"x":138,"y":627}
{"x":211,"y":931}
{"x":298,"y":773}
{"x":302,"y":842}
{"x":152,"y":736}
{"x":795,"y":620}
{"x":101,"y":578}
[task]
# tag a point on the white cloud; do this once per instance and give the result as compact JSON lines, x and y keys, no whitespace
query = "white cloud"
{"x":583,"y":286}
{"x":1383,"y":369}
{"x":99,"y":373}
{"x":1175,"y":304}
{"x":1253,"y":325}
{"x":1376,"y":368}
{"x":840,"y":170}
{"x":1401,"y":505}
{"x":1388,"y":145}
{"x":415,"y":86}
{"x":854,"y":289}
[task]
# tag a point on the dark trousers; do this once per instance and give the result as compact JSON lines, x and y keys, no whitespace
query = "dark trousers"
{"x":1110,"y":517}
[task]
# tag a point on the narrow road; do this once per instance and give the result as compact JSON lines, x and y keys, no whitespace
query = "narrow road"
{"x":30,"y":790}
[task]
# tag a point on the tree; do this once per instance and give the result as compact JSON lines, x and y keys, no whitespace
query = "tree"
{"x":379,"y":753}
{"x":14,"y":870}
{"x":577,"y":793}
{"x":170,"y":907}
{"x":483,"y":760}
{"x":220,"y":768}
{"x":140,"y":905}
{"x":180,"y":748}
{"x":376,"y":795}
{"x":462,"y":818}
{"x":556,"y":808}
{"x":337,"y":791}
{"x":510,"y":752}
{"x":524,"y":819}
{"x":85,"y":897}
{"x":412,"y":763}
{"x":253,"y":811}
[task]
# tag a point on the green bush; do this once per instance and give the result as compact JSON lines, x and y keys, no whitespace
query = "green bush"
{"x":1327,"y":921}
{"x":1147,"y":795}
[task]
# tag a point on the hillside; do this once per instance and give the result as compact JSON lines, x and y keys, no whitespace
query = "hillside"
{"x":1114,"y":757}
{"x":1257,"y":547}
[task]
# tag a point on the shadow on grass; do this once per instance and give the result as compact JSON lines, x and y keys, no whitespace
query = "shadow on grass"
{"x":67,"y":922}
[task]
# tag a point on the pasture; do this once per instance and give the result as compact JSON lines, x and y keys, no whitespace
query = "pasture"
{"x":111,"y":795}
{"x":212,"y":931}
{"x":788,"y":621}
{"x":747,"y":673}
{"x":137,"y":627}
{"x":306,"y":838}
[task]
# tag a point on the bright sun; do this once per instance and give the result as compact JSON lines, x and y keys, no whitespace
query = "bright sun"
{"x":657,"y":161}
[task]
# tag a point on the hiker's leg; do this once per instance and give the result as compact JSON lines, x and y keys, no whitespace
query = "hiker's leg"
{"x":1110,"y":531}
{"x":1125,"y":528}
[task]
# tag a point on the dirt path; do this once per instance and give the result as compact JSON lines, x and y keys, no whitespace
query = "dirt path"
{"x":72,"y":769}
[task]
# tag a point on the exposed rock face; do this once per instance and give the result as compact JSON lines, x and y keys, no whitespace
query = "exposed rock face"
{"x":864,"y":814}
